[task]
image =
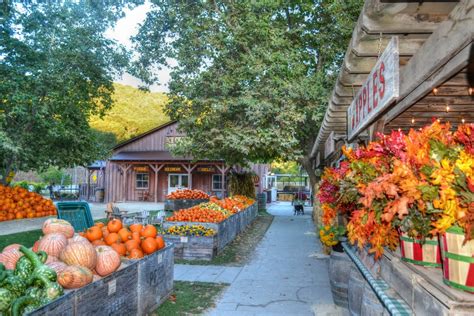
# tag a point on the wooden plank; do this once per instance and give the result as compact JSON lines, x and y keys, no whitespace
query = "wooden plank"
{"x":419,"y":77}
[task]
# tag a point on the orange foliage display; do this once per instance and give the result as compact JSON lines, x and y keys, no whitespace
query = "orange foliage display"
{"x":19,"y":203}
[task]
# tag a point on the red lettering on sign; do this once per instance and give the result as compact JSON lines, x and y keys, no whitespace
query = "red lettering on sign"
{"x":369,"y":104}
{"x":374,"y":90}
{"x":364,"y":97}
{"x":361,"y":113}
{"x":382,"y":80}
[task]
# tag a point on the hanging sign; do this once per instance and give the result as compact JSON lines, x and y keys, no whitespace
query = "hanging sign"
{"x":206,"y":169}
{"x":378,"y":92}
{"x":171,"y":140}
{"x":329,"y":145}
{"x":172,"y":169}
{"x":140,"y":169}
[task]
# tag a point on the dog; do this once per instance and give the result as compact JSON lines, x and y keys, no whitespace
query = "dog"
{"x":299,"y":210}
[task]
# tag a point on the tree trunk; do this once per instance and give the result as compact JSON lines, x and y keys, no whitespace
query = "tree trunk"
{"x":305,"y":162}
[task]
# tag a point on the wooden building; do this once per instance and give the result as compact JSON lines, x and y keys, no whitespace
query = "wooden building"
{"x":425,"y":53}
{"x":143,"y":169}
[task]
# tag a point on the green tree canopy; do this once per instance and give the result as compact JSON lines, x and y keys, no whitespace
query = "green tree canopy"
{"x":134,"y":112}
{"x":252,"y":78}
{"x":56,"y":70}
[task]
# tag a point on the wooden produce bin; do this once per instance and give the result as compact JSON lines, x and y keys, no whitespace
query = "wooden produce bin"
{"x":205,"y":248}
{"x":137,"y":288}
{"x":175,"y":205}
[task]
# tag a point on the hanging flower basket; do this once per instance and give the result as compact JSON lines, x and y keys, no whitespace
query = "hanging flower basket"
{"x":415,"y":251}
{"x":458,"y":260}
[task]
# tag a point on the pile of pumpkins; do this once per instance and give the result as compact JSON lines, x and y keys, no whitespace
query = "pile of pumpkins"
{"x":78,"y":259}
{"x":133,"y":242}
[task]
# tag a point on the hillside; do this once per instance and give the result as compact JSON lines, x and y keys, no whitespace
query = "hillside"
{"x":134,"y":112}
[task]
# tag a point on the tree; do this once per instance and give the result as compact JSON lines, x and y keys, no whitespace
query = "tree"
{"x":56,"y":70}
{"x":252,"y":78}
{"x":134,"y":112}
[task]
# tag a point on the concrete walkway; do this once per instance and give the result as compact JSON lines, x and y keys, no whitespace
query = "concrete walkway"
{"x":284,"y":276}
{"x":97,"y":211}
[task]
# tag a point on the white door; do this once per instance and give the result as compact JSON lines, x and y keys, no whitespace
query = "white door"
{"x":177,"y":181}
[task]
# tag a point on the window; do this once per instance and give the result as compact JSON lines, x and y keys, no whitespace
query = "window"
{"x":142,"y":180}
{"x":216,"y":182}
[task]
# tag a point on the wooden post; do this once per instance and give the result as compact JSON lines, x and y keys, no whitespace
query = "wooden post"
{"x":124,"y":168}
{"x":223,"y":171}
{"x":189,"y":169}
{"x":156,"y":168}
{"x":376,"y":127}
{"x":88,"y":184}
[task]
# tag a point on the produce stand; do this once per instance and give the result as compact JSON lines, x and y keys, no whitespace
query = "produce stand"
{"x":175,"y":205}
{"x":205,"y":248}
{"x":137,"y":288}
{"x":424,"y":65}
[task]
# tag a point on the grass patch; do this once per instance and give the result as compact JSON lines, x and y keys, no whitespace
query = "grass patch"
{"x":240,"y":250}
{"x":26,"y":239}
{"x":190,"y":298}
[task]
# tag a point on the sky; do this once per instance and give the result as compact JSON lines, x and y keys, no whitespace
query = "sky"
{"x":124,"y":29}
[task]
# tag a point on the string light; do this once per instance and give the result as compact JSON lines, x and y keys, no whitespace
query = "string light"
{"x":463,"y":120}
{"x":399,"y":129}
{"x":438,"y":120}
{"x":470,"y":90}
{"x":435,"y":91}
{"x":412,"y":120}
{"x":447,"y":108}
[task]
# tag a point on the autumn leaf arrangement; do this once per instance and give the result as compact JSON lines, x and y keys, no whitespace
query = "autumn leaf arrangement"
{"x":421,"y":183}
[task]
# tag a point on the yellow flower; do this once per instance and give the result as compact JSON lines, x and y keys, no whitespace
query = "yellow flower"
{"x":465,"y":163}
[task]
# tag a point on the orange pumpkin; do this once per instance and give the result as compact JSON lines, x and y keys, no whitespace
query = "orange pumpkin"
{"x":160,"y":242}
{"x":112,"y":238}
{"x":149,"y":245}
{"x":124,"y":234}
{"x":114,"y":225}
{"x":136,"y":228}
{"x":136,"y":237}
{"x":54,"y":225}
{"x":74,"y":277}
{"x":79,"y":253}
{"x":100,"y":224}
{"x":93,"y":233}
{"x":108,"y":260}
{"x":105,"y":231}
{"x":120,"y":248}
{"x":148,"y":231}
{"x":135,"y":254}
{"x":53,"y":244}
{"x":132,"y":244}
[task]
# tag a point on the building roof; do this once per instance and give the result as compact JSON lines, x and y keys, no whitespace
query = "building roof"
{"x":148,"y":156}
{"x":98,"y":164}
{"x":153,"y":130}
{"x":446,"y":24}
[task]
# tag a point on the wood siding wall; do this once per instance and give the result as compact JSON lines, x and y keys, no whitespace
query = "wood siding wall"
{"x":153,"y":142}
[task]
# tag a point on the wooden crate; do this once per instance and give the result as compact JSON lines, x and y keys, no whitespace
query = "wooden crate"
{"x":155,"y":279}
{"x":137,"y":288}
{"x":193,"y":247}
{"x":175,"y":205}
{"x":205,"y":248}
{"x":63,"y":306}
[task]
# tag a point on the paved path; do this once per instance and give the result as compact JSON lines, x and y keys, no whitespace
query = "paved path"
{"x":284,"y":276}
{"x":97,"y":210}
